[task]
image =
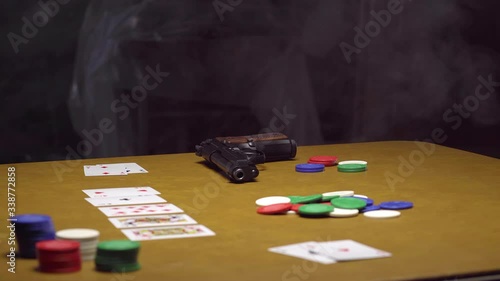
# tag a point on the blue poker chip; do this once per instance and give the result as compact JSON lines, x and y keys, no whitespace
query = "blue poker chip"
{"x":309,"y":168}
{"x":396,"y":205}
{"x":368,"y":201}
{"x":30,"y":229}
{"x":370,"y":208}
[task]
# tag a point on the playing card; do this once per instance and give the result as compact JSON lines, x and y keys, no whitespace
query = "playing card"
{"x":167,"y":232}
{"x":346,"y":250}
{"x":120,"y":191}
{"x":121,"y":211}
{"x":104,"y":170}
{"x":307,"y":250}
{"x":125,"y":200}
{"x":152,"y":221}
{"x":134,"y":168}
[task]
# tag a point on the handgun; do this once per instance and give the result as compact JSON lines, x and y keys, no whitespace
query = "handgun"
{"x":237,"y":156}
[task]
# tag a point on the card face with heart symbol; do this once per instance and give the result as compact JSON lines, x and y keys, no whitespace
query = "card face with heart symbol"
{"x":125,"y":200}
{"x":134,"y":210}
{"x":120,"y":191}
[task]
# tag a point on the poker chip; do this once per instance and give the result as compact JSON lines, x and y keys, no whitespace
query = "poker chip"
{"x":334,"y":204}
{"x":370,"y":208}
{"x":117,"y":256}
{"x":352,"y":166}
{"x":305,"y":199}
{"x":295,"y":207}
{"x":58,"y":256}
{"x":348,"y":203}
{"x":327,"y":196}
{"x":396,"y":205}
{"x":31,"y":229}
{"x":309,"y":168}
{"x":274,"y":209}
{"x":368,"y":201}
{"x":88,"y":239}
{"x":271,"y":200}
{"x":343,"y":213}
{"x":325,"y":160}
{"x":382,"y":214}
{"x":315,"y":210}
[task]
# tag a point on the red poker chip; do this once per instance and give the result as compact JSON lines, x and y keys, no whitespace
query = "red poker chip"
{"x":49,"y":269}
{"x":326,"y":203}
{"x":60,"y":257}
{"x":323,"y":159}
{"x":274,"y":209}
{"x":54,"y":259}
{"x":60,"y":264}
{"x":327,"y":164}
{"x":57,"y":246}
{"x":296,"y":207}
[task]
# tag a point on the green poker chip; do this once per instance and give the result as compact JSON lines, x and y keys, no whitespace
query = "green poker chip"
{"x":305,"y":199}
{"x":352,"y":166}
{"x":348,"y":203}
{"x":329,"y":198}
{"x":118,"y":245}
{"x":315,"y":210}
{"x":117,"y":256}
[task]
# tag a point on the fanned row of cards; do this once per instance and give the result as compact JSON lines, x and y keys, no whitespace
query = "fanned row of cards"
{"x":143,"y":215}
{"x":330,"y":251}
{"x":119,"y":169}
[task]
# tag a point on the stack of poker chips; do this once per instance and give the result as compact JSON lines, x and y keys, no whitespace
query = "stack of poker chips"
{"x":58,"y":256}
{"x":117,"y":256}
{"x":30,"y":229}
{"x":88,"y":239}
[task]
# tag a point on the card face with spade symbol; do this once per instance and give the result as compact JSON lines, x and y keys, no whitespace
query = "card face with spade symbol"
{"x":120,"y":191}
{"x":125,"y":200}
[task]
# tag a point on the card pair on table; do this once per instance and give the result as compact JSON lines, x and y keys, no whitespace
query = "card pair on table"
{"x":119,"y":169}
{"x":330,"y":251}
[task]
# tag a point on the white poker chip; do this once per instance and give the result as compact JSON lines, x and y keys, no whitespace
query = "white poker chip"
{"x":360,"y":162}
{"x":342,"y":193}
{"x":344,"y":213}
{"x":382,"y":214}
{"x":291,"y":212}
{"x":77,"y":234}
{"x":266,"y":201}
{"x":360,"y":196}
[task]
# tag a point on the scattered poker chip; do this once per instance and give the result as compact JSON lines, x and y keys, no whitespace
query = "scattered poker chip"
{"x":335,"y":204}
{"x":274,"y":209}
{"x":368,"y":201}
{"x":306,"y":199}
{"x":270,"y":200}
{"x":396,"y":205}
{"x":352,"y":166}
{"x":295,"y":207}
{"x":370,"y":208}
{"x":309,"y":168}
{"x":343,"y":213}
{"x":334,"y":194}
{"x":348,"y":203}
{"x":325,"y":160}
{"x":315,"y":209}
{"x":382,"y":214}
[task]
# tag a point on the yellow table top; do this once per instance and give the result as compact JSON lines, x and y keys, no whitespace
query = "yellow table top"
{"x":453,"y":229}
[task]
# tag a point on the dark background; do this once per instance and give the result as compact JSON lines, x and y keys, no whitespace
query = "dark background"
{"x":227,"y":76}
